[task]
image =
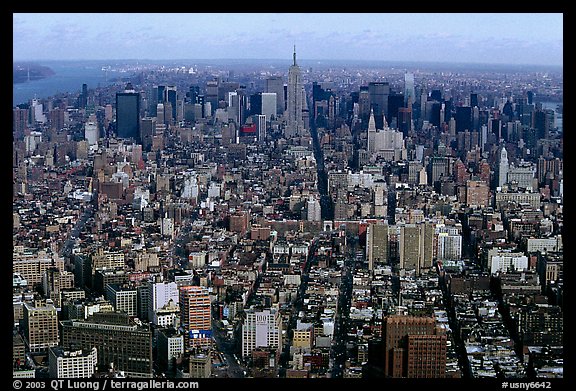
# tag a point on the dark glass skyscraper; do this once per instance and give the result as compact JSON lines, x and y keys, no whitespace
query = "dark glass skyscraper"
{"x":128,"y":114}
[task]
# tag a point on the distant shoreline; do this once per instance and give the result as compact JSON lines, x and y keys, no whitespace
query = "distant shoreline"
{"x":23,"y":72}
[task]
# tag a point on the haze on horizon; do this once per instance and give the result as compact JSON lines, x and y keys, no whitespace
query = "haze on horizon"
{"x":489,"y":38}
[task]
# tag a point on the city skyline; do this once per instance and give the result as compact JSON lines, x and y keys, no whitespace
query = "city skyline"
{"x":498,"y":38}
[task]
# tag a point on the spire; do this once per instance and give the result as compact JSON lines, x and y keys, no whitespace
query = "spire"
{"x":371,"y":122}
{"x":385,"y":124}
{"x":294,"y":55}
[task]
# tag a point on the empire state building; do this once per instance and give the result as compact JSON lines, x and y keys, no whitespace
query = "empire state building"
{"x":295,"y":104}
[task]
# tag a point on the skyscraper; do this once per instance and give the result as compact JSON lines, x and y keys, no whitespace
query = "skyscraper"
{"x":409,"y":93}
{"x":128,"y":113}
{"x":195,"y":316}
{"x":503,"y":167}
{"x":262,"y":328}
{"x":413,"y":348}
{"x":377,"y":244}
{"x":378,"y":94}
{"x":295,"y":122}
{"x":275,"y":84}
{"x":40,"y":326}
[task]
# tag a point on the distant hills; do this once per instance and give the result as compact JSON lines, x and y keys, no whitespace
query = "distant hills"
{"x":23,"y":72}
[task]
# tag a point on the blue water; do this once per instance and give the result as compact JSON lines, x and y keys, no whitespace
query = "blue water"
{"x":69,"y":77}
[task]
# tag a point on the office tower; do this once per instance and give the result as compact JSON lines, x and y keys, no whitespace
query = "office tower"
{"x":313,"y":206}
{"x":57,"y":118}
{"x":147,"y":130}
{"x":91,"y":133}
{"x":256,"y":104}
{"x":170,"y":96}
{"x":409,"y":93}
{"x":364,"y":109}
{"x":211,"y":97}
{"x":371,"y":139}
{"x":83,"y":98}
{"x":118,"y":340}
{"x":449,"y":246}
{"x":159,"y":294}
{"x":478,"y":191}
{"x":275,"y":84}
{"x":268,"y":107}
{"x":416,"y":246}
{"x":54,"y":281}
{"x":160,"y":116}
{"x":433,"y":110}
{"x":503,"y":167}
{"x":543,"y":122}
{"x":463,"y":118}
{"x":72,"y":364}
{"x":260,"y":121}
{"x":20,"y":120}
{"x":395,"y":102}
{"x":473,"y":100}
{"x":170,"y":347}
{"x":200,"y":366}
{"x":295,"y":121}
{"x":40,"y":325}
{"x":160,"y":94}
{"x":128,"y":113}
{"x":460,"y":172}
{"x":123,"y":299}
{"x":262,"y":328}
{"x":376,"y":244}
{"x":405,"y":120}
{"x":413,"y":347}
{"x":378,"y":95}
{"x":195,"y":316}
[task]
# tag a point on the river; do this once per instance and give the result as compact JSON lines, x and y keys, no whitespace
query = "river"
{"x":69,"y":77}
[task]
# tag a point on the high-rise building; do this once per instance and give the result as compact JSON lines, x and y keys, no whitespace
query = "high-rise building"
{"x":118,"y":340}
{"x":463,"y":118}
{"x":261,"y":328}
{"x":54,"y":281}
{"x":123,"y":299}
{"x":268,"y":105}
{"x":449,"y":246}
{"x":72,"y":364}
{"x":91,"y":133}
{"x":159,"y":294}
{"x":170,"y":347}
{"x":405,"y":120}
{"x":170,"y":96}
{"x":313,"y":206}
{"x":20,"y":120}
{"x":409,"y":93}
{"x":40,"y":326}
{"x":200,"y":366}
{"x":413,"y":347}
{"x":260,"y":120}
{"x":503,"y":167}
{"x":416,"y":246}
{"x":275,"y":84}
{"x":395,"y":102}
{"x":83,"y":101}
{"x":295,"y":105}
{"x":195,"y":316}
{"x":376,"y":244}
{"x":378,"y":95}
{"x":477,"y":193}
{"x":128,"y":113}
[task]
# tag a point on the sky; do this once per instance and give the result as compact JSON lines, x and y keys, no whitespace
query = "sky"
{"x":497,"y":38}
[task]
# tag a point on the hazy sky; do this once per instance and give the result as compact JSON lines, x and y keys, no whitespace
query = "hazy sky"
{"x":524,"y":38}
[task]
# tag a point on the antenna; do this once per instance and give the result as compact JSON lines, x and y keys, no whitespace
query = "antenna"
{"x":294,"y":54}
